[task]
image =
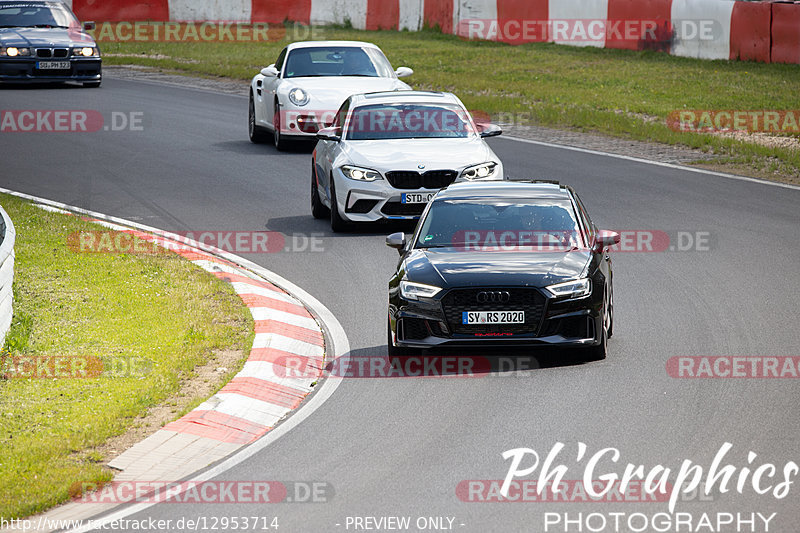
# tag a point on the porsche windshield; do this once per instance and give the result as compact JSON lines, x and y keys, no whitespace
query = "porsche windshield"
{"x":408,"y":121}
{"x":35,"y":15}
{"x":501,"y":224}
{"x":337,"y":61}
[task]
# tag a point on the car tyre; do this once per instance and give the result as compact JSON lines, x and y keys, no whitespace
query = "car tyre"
{"x":338,"y":224}
{"x":92,"y":84}
{"x":318,"y":209}
{"x":611,"y":314}
{"x":277,"y":138}
{"x":256,"y":133}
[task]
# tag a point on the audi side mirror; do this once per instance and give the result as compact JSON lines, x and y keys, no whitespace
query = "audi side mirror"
{"x":396,"y":241}
{"x":606,"y":239}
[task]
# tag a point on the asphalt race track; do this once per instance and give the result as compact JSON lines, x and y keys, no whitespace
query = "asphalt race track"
{"x":400,"y":447}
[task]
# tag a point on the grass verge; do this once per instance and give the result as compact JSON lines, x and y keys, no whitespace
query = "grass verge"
{"x":160,"y":311}
{"x":622,"y":93}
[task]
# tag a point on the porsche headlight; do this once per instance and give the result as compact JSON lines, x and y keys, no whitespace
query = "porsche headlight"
{"x":480,"y":172}
{"x":361,"y":174}
{"x":298,"y":97}
{"x":415,"y":291}
{"x":571,"y":289}
{"x":85,"y":51}
{"x":13,"y":51}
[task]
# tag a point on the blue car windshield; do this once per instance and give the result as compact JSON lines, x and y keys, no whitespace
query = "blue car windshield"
{"x":540,"y":224}
{"x":409,"y":121}
{"x":36,"y":15}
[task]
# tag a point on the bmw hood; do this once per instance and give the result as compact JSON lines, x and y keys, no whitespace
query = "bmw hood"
{"x":408,"y":154}
{"x":452,"y":267}
{"x":44,"y":37}
{"x":327,"y":94}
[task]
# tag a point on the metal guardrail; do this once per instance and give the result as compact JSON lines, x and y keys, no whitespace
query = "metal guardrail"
{"x":7,"y":239}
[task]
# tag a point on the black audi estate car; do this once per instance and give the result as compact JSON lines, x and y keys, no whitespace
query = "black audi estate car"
{"x":42,"y":42}
{"x":503,"y":263}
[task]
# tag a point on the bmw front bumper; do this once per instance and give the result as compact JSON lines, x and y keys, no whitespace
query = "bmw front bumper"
{"x":25,"y":70}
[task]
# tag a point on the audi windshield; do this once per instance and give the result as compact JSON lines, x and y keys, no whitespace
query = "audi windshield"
{"x":501,"y":224}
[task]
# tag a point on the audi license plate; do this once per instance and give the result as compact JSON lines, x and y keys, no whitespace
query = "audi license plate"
{"x":53,"y":65}
{"x":493,"y":317}
{"x":417,"y":198}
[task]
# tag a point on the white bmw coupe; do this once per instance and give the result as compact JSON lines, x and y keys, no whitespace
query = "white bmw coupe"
{"x":299,"y":94}
{"x":387,"y":154}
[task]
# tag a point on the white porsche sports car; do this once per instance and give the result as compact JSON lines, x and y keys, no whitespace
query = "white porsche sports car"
{"x":300,"y":93}
{"x":387,"y":154}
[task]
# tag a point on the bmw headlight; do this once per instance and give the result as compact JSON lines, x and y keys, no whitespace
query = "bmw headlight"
{"x":571,"y":289}
{"x":298,"y":97}
{"x":85,"y":51}
{"x":361,"y":174}
{"x":415,"y":291}
{"x":480,"y":172}
{"x":13,"y":51}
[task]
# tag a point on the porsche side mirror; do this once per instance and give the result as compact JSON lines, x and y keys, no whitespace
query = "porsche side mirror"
{"x":329,"y":134}
{"x":403,"y":72}
{"x":490,"y":130}
{"x":270,"y":72}
{"x":396,"y":241}
{"x":606,"y":239}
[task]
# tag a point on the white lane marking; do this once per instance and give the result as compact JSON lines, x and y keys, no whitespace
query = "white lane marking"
{"x":253,"y":410}
{"x":287,"y":344}
{"x":338,"y":345}
{"x":267,"y":313}
{"x":656,"y":163}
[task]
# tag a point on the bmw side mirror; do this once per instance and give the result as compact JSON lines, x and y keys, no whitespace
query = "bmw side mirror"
{"x":329,"y":134}
{"x":270,"y":71}
{"x":605,"y":239}
{"x":490,"y":130}
{"x":396,"y":241}
{"x":89,"y":26}
{"x":403,"y":72}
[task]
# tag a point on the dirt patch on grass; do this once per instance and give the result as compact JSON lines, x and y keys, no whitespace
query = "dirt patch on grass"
{"x":204,"y":382}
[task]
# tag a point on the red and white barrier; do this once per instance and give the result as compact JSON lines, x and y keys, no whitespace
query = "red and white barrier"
{"x":757,"y":31}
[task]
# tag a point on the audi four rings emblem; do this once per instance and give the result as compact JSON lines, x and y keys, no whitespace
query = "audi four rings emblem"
{"x":495,"y":297}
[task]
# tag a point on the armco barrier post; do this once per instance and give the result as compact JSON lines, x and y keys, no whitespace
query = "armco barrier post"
{"x":7,"y":239}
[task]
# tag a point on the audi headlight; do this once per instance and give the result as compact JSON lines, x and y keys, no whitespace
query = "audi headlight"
{"x":480,"y":172}
{"x":415,"y":291}
{"x":361,"y":174}
{"x":13,"y":51}
{"x":298,"y":97}
{"x":85,"y":51}
{"x":571,"y":289}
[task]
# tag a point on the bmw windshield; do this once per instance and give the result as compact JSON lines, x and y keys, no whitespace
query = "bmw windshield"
{"x":409,"y":121}
{"x":35,"y":15}
{"x":501,"y":225}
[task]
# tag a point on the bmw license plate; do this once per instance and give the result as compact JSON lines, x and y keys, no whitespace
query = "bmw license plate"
{"x":493,"y":317}
{"x":417,"y":198}
{"x":53,"y":65}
